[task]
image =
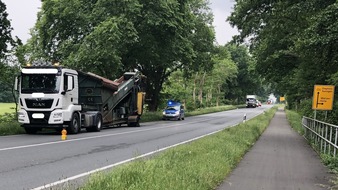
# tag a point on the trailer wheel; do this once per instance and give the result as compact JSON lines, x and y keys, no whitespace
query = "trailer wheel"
{"x":134,"y":124}
{"x":74,"y":125}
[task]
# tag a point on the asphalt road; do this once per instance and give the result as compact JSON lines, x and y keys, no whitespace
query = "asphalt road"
{"x":280,"y":160}
{"x":42,"y":160}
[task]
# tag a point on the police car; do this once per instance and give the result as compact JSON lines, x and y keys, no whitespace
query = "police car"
{"x":174,"y":110}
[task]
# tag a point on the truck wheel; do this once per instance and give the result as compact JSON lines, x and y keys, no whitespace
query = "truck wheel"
{"x":31,"y":130}
{"x":134,"y":124}
{"x":98,"y":126}
{"x":74,"y":125}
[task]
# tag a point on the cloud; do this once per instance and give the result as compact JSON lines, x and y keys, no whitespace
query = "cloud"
{"x":23,"y":15}
{"x":221,"y":10}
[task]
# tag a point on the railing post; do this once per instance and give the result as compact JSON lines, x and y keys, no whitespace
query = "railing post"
{"x":312,"y":129}
{"x":335,"y":143}
{"x":325,"y":140}
{"x":317,"y":132}
{"x":330,"y":141}
{"x":321,"y":137}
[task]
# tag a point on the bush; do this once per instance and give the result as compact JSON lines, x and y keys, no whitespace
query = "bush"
{"x":7,"y":117}
{"x":305,"y":109}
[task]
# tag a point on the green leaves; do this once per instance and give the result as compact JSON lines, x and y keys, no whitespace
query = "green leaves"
{"x":5,"y":32}
{"x":109,"y":37}
{"x":294,"y":42}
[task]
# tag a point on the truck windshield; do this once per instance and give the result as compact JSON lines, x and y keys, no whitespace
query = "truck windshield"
{"x":44,"y":83}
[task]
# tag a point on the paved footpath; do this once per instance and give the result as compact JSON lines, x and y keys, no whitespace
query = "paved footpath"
{"x":280,"y":160}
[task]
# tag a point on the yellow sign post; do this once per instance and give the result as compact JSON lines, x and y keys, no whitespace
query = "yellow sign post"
{"x":282,"y":98}
{"x":323,"y":97}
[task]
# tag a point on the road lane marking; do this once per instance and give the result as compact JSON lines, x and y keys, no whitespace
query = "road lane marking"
{"x":47,"y":186}
{"x":108,"y":135}
{"x":86,"y":138}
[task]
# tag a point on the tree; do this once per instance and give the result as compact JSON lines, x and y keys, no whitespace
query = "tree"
{"x":281,"y":34}
{"x":206,"y":87}
{"x":247,"y":80}
{"x":7,"y":45}
{"x":6,"y":29}
{"x":111,"y":36}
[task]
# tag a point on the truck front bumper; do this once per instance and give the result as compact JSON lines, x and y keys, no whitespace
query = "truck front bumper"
{"x":40,"y":117}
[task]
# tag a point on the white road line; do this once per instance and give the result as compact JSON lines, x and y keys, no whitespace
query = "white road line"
{"x":46,"y":186}
{"x":116,"y":164}
{"x":86,"y":138}
{"x":72,"y":140}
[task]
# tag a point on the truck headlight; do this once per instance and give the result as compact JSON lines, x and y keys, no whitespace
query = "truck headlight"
{"x":22,"y":117}
{"x":57,"y":115}
{"x":163,"y":112}
{"x":21,"y":114}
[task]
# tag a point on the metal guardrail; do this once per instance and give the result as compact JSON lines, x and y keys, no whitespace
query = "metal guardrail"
{"x":323,"y":136}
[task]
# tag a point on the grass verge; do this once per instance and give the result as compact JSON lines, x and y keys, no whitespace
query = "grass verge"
{"x":8,"y":122}
{"x":10,"y":128}
{"x":295,"y":121}
{"x":200,"y":165}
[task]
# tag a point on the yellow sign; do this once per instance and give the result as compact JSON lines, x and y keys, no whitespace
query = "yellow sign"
{"x":282,"y":98}
{"x":323,"y":97}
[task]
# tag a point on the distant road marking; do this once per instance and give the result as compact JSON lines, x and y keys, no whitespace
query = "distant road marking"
{"x":100,"y":136}
{"x":93,"y":137}
{"x":119,"y":163}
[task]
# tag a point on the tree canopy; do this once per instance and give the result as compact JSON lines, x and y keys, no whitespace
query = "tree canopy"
{"x":5,"y":29}
{"x":7,"y":47}
{"x":294,"y":42}
{"x":109,"y":37}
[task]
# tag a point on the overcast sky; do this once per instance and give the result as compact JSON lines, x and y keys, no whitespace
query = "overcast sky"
{"x":23,"y":13}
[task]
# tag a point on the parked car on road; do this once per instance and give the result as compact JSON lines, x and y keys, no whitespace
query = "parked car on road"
{"x":174,"y":110}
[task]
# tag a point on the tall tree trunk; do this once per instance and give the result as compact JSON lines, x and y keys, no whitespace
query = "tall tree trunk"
{"x":153,"y":89}
{"x":218,"y":94}
{"x":194,"y":90}
{"x":200,"y":94}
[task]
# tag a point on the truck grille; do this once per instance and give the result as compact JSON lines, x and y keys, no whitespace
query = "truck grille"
{"x":38,"y":121}
{"x":39,"y":103}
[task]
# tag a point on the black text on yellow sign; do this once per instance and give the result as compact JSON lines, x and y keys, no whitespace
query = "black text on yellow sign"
{"x":323,"y":97}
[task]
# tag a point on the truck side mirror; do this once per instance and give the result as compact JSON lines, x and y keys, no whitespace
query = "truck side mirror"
{"x":68,"y":84}
{"x":16,"y":83}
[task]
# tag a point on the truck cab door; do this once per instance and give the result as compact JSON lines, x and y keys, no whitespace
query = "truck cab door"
{"x":70,"y":91}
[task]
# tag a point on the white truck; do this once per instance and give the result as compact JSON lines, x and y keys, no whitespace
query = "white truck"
{"x":251,"y":101}
{"x":55,"y":97}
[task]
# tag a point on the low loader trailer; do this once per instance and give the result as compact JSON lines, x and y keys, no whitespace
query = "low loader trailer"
{"x":56,"y":97}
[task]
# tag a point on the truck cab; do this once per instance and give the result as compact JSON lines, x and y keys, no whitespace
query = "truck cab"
{"x":48,"y":96}
{"x":251,"y":101}
{"x":173,"y":110}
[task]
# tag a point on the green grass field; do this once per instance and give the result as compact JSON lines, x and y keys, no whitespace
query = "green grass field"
{"x":7,"y":108}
